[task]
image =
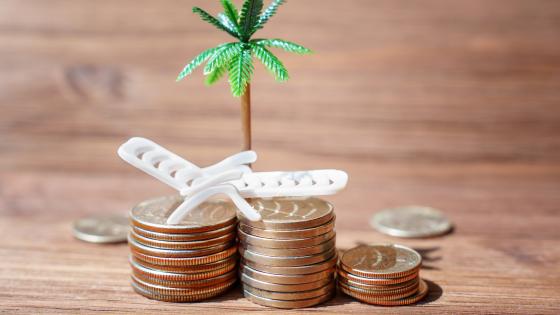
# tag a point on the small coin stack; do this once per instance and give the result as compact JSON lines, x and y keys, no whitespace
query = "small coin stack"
{"x":382,"y":275}
{"x":192,"y":261}
{"x":288,"y":258}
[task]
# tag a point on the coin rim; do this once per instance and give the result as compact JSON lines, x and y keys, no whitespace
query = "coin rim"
{"x":188,"y":261}
{"x":422,"y":292}
{"x":371,"y":297}
{"x":182,"y":245}
{"x":259,"y":284}
{"x":188,"y":284}
{"x":176,"y":253}
{"x":376,"y":281}
{"x":377,"y":287}
{"x":178,"y":298}
{"x":381,"y":293}
{"x":285,"y":296}
{"x":174,"y":276}
{"x":282,"y":252}
{"x":288,"y":234}
{"x":187,"y":269}
{"x":301,"y":270}
{"x":292,"y":261}
{"x":185,"y":237}
{"x":163,"y":290}
{"x":288,"y":304}
{"x":285,"y":279}
{"x":282,"y":243}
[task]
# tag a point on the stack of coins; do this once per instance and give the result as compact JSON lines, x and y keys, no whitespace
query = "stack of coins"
{"x":191,"y":261}
{"x":288,"y":258}
{"x":382,"y":275}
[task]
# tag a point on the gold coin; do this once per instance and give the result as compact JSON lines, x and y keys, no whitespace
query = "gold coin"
{"x":290,"y":213}
{"x":278,"y":243}
{"x":193,"y":245}
{"x":191,"y":284}
{"x":283,"y":252}
{"x":376,"y":281}
{"x":176,"y":253}
{"x":390,"y":294}
{"x":288,"y":234}
{"x":179,"y":298}
{"x":188,"y":261}
{"x":297,"y":270}
{"x":178,"y":237}
{"x":286,"y":261}
{"x":420,"y":294}
{"x":152,"y":215}
{"x":189,"y":269}
{"x":381,"y":261}
{"x":144,"y":272}
{"x":396,"y":287}
{"x":285,"y":287}
{"x":286,"y":279}
{"x":288,"y":304}
{"x":158,"y":289}
{"x":290,"y":296}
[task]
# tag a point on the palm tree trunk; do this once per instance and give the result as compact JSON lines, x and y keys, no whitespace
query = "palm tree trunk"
{"x":246,"y":117}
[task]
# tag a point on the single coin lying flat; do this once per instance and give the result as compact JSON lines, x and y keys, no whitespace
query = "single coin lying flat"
{"x":102,"y":229}
{"x":411,"y":221}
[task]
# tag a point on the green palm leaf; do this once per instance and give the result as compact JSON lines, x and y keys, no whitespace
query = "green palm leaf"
{"x":284,"y":44}
{"x":267,"y":14}
{"x":227,"y":22}
{"x":222,"y":56}
{"x":240,"y":69}
{"x":197,"y":61}
{"x":212,"y":20}
{"x":215,"y":75}
{"x":249,"y":17}
{"x":271,"y":62}
{"x":230,"y":11}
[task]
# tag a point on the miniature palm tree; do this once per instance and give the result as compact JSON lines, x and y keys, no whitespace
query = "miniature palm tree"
{"x":236,"y":58}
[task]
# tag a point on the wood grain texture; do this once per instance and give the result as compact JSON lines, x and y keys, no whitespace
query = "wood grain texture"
{"x":452,"y":104}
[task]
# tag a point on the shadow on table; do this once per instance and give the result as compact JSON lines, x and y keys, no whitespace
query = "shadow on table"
{"x":434,"y":292}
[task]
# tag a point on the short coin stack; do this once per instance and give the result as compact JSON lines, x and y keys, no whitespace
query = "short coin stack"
{"x":192,"y":261}
{"x":382,"y":275}
{"x":288,"y":258}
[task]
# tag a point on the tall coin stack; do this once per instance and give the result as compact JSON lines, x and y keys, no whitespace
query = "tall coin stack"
{"x":382,"y":275}
{"x":288,"y":258}
{"x":192,"y":261}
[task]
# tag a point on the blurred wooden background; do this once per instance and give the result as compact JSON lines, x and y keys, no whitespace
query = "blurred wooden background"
{"x":452,"y":104}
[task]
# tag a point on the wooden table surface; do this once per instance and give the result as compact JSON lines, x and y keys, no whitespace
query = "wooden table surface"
{"x":450,"y":104}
